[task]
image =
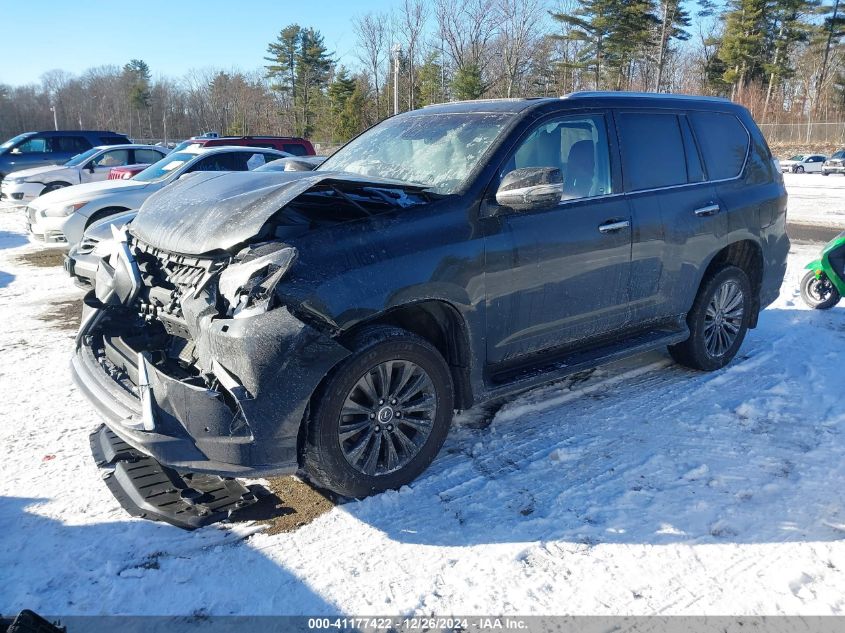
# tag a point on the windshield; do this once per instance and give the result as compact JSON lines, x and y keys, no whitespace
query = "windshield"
{"x":81,"y":158}
{"x":435,"y":150}
{"x":163,"y":168}
{"x":799,"y":157}
{"x":14,"y":140}
{"x":839,"y":154}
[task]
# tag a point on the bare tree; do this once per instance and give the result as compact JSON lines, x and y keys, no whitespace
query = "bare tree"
{"x":467,"y":28}
{"x":373,"y":31}
{"x":520,"y":26}
{"x":412,"y":24}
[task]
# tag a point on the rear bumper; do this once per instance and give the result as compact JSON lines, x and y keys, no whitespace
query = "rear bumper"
{"x":248,"y":429}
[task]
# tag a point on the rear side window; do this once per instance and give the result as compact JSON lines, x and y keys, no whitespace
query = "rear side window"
{"x":70,"y":144}
{"x":724,"y":143}
{"x":652,"y":150}
{"x":295,"y":149}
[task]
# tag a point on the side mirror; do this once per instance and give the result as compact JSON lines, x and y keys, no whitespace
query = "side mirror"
{"x":531,"y":189}
{"x":91,"y":167}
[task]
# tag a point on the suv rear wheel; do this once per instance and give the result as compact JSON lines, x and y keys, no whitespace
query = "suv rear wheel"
{"x":381,"y":416}
{"x":717,"y":322}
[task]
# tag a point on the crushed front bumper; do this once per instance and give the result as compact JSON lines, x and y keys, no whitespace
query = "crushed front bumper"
{"x":249,"y":426}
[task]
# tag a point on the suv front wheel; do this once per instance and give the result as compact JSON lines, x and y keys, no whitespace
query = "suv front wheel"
{"x":381,"y":416}
{"x":717,"y":322}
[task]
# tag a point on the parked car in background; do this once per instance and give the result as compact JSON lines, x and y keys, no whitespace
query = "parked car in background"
{"x":60,"y":218}
{"x":835,"y":164}
{"x":294,"y":163}
{"x":34,"y":149}
{"x":293,"y":145}
{"x":84,"y":257}
{"x":25,"y":185}
{"x":127,"y":171}
{"x":801,"y":163}
{"x":332,"y":321}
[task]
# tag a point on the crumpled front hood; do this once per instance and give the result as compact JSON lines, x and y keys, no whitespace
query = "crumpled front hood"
{"x":214,"y":211}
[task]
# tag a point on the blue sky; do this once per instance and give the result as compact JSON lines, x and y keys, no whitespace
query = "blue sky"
{"x":172,"y":37}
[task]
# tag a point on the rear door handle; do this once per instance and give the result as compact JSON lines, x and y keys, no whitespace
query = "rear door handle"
{"x":710,"y":209}
{"x":610,"y":227}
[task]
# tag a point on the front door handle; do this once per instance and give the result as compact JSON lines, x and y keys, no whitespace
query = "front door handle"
{"x":610,"y":227}
{"x":710,"y":209}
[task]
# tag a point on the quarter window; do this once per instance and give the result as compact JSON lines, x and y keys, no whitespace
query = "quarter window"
{"x":652,"y":150}
{"x":576,"y":145}
{"x":724,"y":143}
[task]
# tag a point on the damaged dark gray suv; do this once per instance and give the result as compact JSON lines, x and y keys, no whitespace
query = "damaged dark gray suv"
{"x":332,"y":321}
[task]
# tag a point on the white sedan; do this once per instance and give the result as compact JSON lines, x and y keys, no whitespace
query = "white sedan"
{"x":802,"y":163}
{"x":60,"y":218}
{"x":22,"y":187}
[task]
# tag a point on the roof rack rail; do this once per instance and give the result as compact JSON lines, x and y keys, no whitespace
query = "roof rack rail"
{"x":627,"y":95}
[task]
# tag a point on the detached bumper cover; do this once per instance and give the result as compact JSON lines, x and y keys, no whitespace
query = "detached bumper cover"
{"x":277,"y":362}
{"x":149,"y":490}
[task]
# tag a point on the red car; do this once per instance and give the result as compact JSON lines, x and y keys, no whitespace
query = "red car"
{"x":291,"y":144}
{"x":126,"y":171}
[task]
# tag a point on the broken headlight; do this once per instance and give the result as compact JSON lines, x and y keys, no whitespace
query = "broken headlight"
{"x":248,"y":283}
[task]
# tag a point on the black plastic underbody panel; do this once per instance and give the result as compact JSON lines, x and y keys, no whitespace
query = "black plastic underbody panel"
{"x":146,"y":489}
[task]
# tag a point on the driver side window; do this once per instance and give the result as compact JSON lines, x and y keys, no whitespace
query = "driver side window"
{"x":577,"y":145}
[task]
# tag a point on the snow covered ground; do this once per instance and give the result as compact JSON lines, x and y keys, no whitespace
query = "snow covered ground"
{"x":816,"y":199}
{"x":644,"y":488}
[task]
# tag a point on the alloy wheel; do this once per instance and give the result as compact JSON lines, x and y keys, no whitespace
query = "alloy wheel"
{"x":387,"y":417}
{"x":820,"y":289}
{"x":723,"y":318}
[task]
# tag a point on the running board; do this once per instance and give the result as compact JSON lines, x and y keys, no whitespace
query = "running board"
{"x":522,"y":378}
{"x":146,"y":489}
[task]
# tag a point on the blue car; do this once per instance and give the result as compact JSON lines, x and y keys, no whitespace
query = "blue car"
{"x":35,"y":149}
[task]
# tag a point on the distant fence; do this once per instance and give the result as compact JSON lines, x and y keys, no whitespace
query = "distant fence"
{"x":801,"y":133}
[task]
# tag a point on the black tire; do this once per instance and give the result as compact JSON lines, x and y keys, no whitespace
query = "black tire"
{"x":696,"y":352}
{"x":825,"y":173}
{"x":325,"y":459}
{"x":798,"y":169}
{"x":54,"y":186}
{"x":819,"y":294}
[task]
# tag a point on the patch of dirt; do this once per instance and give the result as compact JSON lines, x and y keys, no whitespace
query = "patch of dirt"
{"x":65,"y":314}
{"x":43,"y":259}
{"x":291,"y":504}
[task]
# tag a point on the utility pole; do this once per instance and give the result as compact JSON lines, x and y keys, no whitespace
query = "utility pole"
{"x":397,"y":50}
{"x":55,"y":119}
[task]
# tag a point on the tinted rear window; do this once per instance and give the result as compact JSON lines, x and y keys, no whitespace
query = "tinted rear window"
{"x":295,"y":149}
{"x":652,"y":150}
{"x":723,"y":141}
{"x":114,"y":140}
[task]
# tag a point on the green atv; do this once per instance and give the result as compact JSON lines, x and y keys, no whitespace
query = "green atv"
{"x":823,"y":286}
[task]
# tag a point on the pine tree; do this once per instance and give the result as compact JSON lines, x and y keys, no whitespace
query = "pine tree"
{"x":467,"y":83}
{"x":282,"y":67}
{"x":743,"y":44}
{"x":313,"y":67}
{"x":137,"y":74}
{"x":340,"y":92}
{"x":674,"y":19}
{"x":591,"y":24}
{"x":613,"y":33}
{"x":788,"y":26}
